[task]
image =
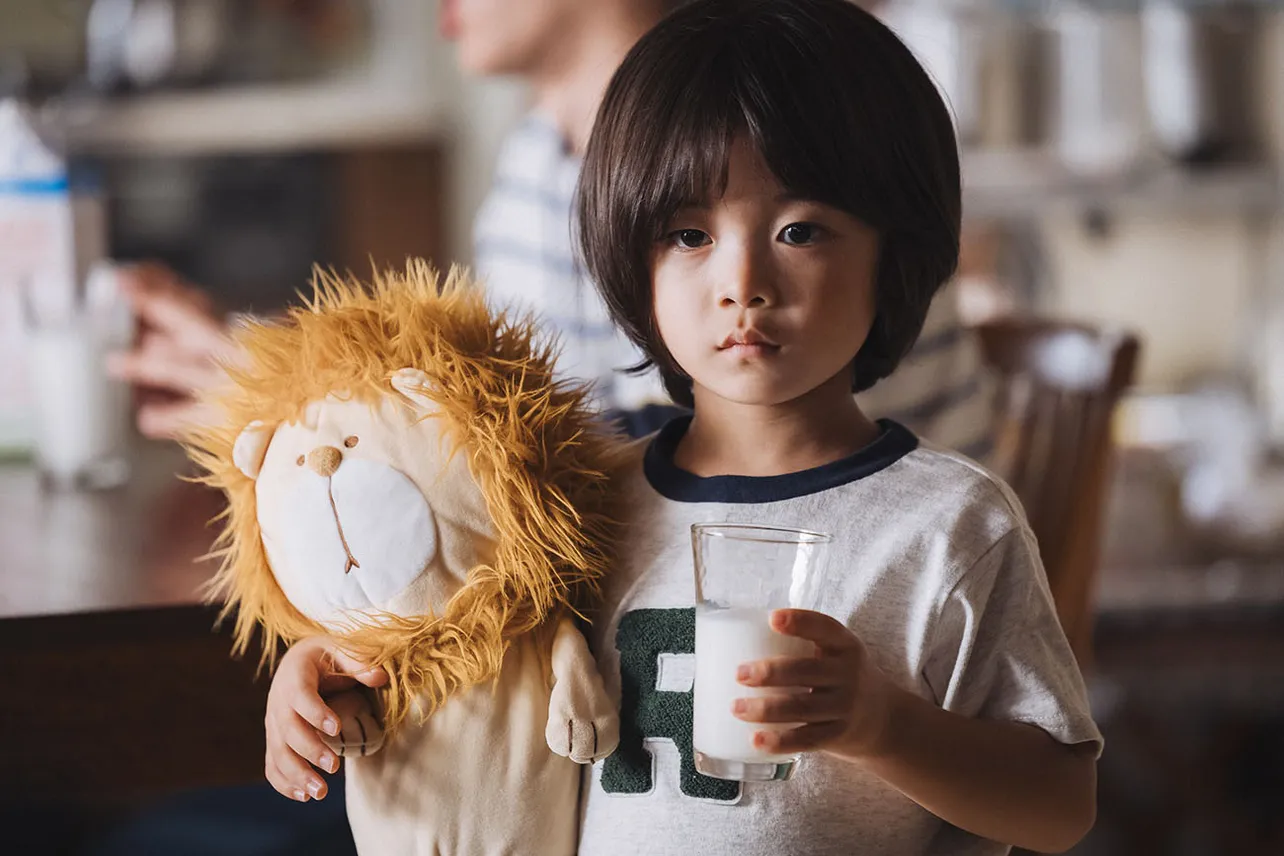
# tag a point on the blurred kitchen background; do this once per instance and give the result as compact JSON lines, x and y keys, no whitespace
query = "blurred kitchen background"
{"x":1122,"y":165}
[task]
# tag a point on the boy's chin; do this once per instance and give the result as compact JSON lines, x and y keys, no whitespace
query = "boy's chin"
{"x":756,"y":393}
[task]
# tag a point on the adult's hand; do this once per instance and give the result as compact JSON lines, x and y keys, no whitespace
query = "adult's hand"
{"x":181,"y":346}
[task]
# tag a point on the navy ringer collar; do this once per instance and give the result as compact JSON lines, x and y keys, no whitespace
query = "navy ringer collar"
{"x":894,"y":442}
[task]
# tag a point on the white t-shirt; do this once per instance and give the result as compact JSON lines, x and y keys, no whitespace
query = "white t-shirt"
{"x":932,"y":565}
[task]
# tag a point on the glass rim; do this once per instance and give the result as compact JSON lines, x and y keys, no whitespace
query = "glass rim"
{"x":741,"y":532}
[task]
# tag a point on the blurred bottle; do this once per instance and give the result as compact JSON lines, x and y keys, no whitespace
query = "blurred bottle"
{"x":1201,"y":77}
{"x":52,"y":228}
{"x":948,"y":38}
{"x":1098,"y":100}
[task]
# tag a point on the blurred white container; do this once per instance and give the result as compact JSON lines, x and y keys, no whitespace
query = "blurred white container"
{"x":1201,"y":74}
{"x":81,"y":416}
{"x":1098,"y":116}
{"x":948,"y":38}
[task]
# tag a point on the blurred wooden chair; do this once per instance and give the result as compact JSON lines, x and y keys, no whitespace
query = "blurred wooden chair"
{"x":1059,"y":383}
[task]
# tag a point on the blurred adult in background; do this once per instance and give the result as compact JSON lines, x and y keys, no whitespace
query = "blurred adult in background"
{"x":181,"y":342}
{"x":566,"y":50}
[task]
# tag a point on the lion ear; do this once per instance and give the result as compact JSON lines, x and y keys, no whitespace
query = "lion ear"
{"x":411,"y":383}
{"x":250,"y":447}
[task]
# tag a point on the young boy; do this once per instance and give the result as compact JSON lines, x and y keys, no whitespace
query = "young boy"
{"x":769,"y":201}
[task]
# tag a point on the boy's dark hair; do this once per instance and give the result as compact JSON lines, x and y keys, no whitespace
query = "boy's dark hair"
{"x":839,"y":109}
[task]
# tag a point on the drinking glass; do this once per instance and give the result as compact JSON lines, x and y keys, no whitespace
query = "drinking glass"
{"x":743,"y":573}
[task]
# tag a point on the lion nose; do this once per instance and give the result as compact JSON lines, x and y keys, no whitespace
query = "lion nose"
{"x":324,"y":460}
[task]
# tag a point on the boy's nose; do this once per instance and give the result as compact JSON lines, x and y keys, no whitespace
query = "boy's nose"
{"x":324,"y":460}
{"x":746,"y":282}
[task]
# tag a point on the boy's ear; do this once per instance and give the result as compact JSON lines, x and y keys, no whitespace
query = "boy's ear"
{"x":411,"y":383}
{"x":250,"y":447}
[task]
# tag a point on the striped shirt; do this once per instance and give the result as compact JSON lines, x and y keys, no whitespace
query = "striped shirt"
{"x":941,"y":390}
{"x":525,"y":254}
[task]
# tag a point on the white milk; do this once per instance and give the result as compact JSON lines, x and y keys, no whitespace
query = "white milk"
{"x":725,"y":639}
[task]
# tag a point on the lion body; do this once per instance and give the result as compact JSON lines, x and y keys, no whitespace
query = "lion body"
{"x":472,"y":621}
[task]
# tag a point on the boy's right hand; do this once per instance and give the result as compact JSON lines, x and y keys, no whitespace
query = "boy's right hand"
{"x":297,"y":715}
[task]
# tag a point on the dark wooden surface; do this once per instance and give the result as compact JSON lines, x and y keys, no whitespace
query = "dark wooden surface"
{"x":115,"y":707}
{"x":115,"y":683}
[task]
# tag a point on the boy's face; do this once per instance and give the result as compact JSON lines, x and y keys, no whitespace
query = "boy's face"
{"x":504,"y":36}
{"x":761,"y":298}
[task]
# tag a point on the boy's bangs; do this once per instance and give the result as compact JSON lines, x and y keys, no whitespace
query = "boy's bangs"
{"x":689,"y":166}
{"x":684,"y":155}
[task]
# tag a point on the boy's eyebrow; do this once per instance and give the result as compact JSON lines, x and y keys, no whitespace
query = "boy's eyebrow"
{"x":788,"y":196}
{"x":690,"y":207}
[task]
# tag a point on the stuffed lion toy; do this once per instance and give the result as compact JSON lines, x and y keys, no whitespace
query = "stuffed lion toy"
{"x":403,"y":472}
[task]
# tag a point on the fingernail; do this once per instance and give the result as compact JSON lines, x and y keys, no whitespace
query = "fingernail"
{"x":314,"y":789}
{"x":744,"y":673}
{"x":300,"y":796}
{"x":329,"y":763}
{"x":331,"y":727}
{"x":739,"y":706}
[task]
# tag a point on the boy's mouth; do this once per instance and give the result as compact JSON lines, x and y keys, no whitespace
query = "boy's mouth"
{"x":748,"y":341}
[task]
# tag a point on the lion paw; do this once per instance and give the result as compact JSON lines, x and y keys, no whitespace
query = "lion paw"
{"x":582,"y":726}
{"x":359,"y":732}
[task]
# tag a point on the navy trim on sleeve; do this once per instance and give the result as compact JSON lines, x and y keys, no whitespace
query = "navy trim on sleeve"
{"x":894,"y":442}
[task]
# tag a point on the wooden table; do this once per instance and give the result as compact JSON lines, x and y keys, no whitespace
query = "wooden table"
{"x":114,"y":685}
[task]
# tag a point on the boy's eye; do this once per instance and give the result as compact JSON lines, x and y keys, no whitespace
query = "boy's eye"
{"x":689,"y":239}
{"x":800,"y":233}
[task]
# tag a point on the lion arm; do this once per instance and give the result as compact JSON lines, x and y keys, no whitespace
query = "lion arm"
{"x":583,"y":724}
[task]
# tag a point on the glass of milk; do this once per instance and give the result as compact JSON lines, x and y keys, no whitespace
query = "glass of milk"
{"x":743,"y":573}
{"x":80,"y":417}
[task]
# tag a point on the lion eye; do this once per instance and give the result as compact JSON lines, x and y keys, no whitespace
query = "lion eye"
{"x":300,"y":460}
{"x":351,"y":441}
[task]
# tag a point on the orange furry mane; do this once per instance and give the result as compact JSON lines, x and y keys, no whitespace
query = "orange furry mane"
{"x":533,"y":445}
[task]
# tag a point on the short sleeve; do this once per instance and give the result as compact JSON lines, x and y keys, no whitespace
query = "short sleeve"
{"x":998,"y":651}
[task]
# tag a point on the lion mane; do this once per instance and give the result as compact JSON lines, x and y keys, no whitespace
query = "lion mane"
{"x":539,"y":455}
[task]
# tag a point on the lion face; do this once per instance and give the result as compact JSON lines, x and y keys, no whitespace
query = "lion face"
{"x":346,"y":500}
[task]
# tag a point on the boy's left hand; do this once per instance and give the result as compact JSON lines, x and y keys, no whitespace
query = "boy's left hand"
{"x":840,"y":697}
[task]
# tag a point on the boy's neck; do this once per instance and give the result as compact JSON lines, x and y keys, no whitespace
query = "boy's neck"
{"x":726,"y":438}
{"x":570,"y":85}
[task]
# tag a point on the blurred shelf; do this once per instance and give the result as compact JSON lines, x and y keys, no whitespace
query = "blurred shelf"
{"x":1027,"y":183}
{"x":256,"y":119}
